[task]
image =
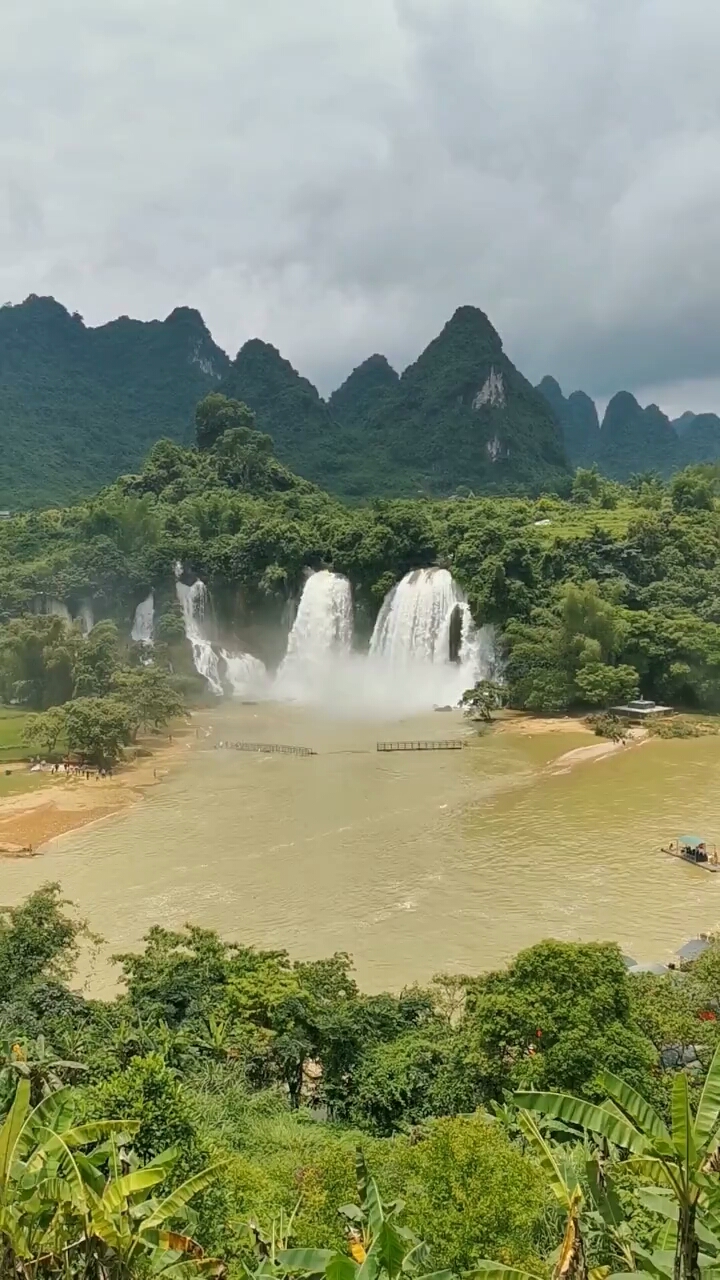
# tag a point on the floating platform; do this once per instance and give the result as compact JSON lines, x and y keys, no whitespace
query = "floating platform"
{"x":267,"y":748}
{"x":443,"y":744}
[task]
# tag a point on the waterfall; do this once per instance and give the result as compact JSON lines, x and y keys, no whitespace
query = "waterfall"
{"x":193,"y":601}
{"x":144,"y":621}
{"x":85,"y":617}
{"x":321,"y":635}
{"x":415,"y":621}
{"x":426,"y":636}
{"x":246,"y":675}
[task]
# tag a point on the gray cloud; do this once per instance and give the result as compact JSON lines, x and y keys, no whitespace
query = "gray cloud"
{"x":338,"y":177}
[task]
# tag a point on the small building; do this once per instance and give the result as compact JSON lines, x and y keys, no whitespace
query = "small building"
{"x":640,"y":709}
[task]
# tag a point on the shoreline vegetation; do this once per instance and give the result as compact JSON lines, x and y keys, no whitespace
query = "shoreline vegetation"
{"x":30,"y":820}
{"x":303,"y":1115}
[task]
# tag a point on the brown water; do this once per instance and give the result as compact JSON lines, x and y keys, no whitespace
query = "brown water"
{"x":414,"y":863}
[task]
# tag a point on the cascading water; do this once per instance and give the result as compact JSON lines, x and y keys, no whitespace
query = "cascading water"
{"x":86,"y":617}
{"x":193,"y":601}
{"x":246,"y":675}
{"x":425,"y":649}
{"x":144,"y":621}
{"x":415,"y":619}
{"x":321,"y":636}
{"x":426,"y":637}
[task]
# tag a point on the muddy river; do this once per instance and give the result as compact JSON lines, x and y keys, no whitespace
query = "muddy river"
{"x":414,"y":862}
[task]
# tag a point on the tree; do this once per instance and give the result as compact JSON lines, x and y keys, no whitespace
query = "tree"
{"x":395,"y":1083}
{"x":149,"y":697}
{"x":692,"y":490}
{"x":600,"y":685}
{"x":560,"y":1012}
{"x":98,"y":729}
{"x":43,"y":730}
{"x":37,"y":658}
{"x":485,"y":697}
{"x":96,"y":661}
{"x":37,"y":940}
{"x":216,"y":414}
{"x":587,"y":485}
{"x":682,"y":1159}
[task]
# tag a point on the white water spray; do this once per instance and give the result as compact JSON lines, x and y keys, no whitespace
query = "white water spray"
{"x":86,"y":617}
{"x":193,"y":601}
{"x":425,"y":650}
{"x":321,"y":634}
{"x":143,"y":626}
{"x":246,"y":675}
{"x":425,"y":636}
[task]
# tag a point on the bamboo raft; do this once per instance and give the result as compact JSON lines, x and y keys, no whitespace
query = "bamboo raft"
{"x":441,"y":744}
{"x":267,"y":748}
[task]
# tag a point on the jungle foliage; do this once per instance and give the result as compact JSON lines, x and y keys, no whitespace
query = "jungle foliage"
{"x":264,"y":1095}
{"x":88,"y":696}
{"x":613,"y":591}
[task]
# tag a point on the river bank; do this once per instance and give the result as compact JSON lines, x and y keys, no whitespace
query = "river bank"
{"x":460,"y":860}
{"x":57,"y":803}
{"x":31,"y":819}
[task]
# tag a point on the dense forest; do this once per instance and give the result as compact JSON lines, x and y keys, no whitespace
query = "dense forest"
{"x":630,"y":438}
{"x":78,"y":406}
{"x":612,"y":590}
{"x":235,"y":1109}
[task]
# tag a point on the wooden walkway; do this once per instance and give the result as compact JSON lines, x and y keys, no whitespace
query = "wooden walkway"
{"x":442,"y":744}
{"x":267,"y":748}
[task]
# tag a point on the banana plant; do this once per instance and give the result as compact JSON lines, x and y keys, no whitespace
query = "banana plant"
{"x":378,"y":1246}
{"x":684,"y":1158}
{"x":34,"y":1061}
{"x":127,"y":1225}
{"x":43,"y":1203}
{"x":60,"y":1214}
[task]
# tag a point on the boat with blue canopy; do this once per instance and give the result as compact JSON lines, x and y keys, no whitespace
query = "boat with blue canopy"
{"x":696,"y":850}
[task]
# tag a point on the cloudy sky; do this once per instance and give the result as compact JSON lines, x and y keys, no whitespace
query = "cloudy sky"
{"x":336,"y":176}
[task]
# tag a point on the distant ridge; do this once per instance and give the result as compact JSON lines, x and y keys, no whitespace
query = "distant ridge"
{"x":460,"y":417}
{"x":631,"y":439}
{"x":79,"y":406}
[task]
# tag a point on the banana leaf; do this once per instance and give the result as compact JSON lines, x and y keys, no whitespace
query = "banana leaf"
{"x":584,"y":1114}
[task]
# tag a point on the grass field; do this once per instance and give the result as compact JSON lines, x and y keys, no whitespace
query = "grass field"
{"x":12,"y":723}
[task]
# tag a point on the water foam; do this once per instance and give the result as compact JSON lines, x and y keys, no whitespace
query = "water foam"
{"x":143,"y":626}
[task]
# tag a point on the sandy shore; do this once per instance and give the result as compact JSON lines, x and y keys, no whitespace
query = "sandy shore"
{"x":519,"y":722}
{"x":28,"y":821}
{"x":597,"y":748}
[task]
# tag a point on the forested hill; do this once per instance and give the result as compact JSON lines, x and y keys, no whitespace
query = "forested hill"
{"x":631,"y":440}
{"x":79,"y":406}
{"x":460,"y":417}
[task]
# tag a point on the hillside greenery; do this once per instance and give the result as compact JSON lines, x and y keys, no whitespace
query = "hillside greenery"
{"x":613,"y":590}
{"x":79,"y":406}
{"x":631,"y":439}
{"x":302,"y":1096}
{"x":460,"y":417}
